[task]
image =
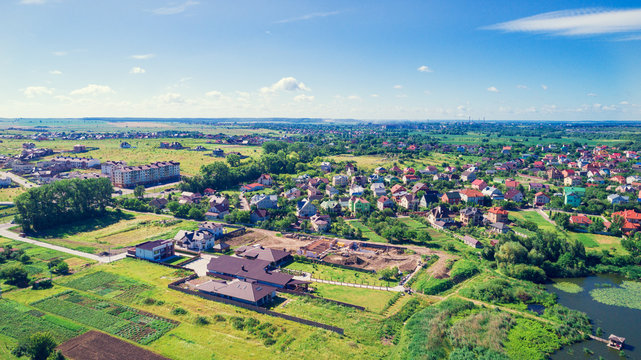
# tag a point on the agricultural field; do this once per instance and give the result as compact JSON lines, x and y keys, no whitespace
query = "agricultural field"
{"x":368,"y":233}
{"x":326,"y":272}
{"x":142,"y":151}
{"x":372,"y":300}
{"x":8,"y":194}
{"x":7,"y":213}
{"x":112,"y":231}
{"x":413,"y":224}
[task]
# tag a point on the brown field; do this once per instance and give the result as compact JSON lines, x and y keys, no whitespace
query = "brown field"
{"x":96,"y":345}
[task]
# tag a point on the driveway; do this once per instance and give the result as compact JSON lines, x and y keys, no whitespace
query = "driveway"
{"x":200,"y":265}
{"x":19,"y":179}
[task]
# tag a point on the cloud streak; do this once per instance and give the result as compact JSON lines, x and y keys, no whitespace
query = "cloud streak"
{"x":142,"y":56}
{"x":285,"y":84}
{"x":308,"y":17}
{"x":590,"y":21}
{"x":93,"y":89}
{"x":173,"y":10}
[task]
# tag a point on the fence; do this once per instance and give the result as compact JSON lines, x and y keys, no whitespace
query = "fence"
{"x":287,"y":291}
{"x":174,"y":286}
{"x":304,"y":259}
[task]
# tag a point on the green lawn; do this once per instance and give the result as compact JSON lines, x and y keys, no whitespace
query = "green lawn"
{"x":367,"y":232}
{"x":112,"y":231}
{"x":534,"y":217}
{"x":413,"y":224}
{"x":326,"y":272}
{"x":372,"y":300}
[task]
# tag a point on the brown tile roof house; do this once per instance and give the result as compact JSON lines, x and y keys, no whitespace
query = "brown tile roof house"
{"x":274,"y":256}
{"x":234,"y":267}
{"x":470,"y":241}
{"x":249,"y":292}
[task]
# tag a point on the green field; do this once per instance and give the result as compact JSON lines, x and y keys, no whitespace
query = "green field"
{"x":413,"y":224}
{"x":372,"y":300}
{"x":534,"y":217}
{"x":8,"y":194}
{"x":368,"y":233}
{"x":112,"y":231}
{"x":326,"y":272}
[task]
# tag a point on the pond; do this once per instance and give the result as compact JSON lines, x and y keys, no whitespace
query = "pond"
{"x":619,"y":320}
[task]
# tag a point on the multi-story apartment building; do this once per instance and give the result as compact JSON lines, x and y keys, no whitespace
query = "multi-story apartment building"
{"x":132,"y":176}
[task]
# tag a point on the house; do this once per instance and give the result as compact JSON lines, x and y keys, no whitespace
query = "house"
{"x":514,"y":195}
{"x":572,"y":181}
{"x":258,"y":216}
{"x":499,"y":228}
{"x":187,"y":197}
{"x":380,"y":170}
{"x":616,"y":199}
{"x":384,"y":202}
{"x":252,"y":187}
{"x":468,"y":175}
{"x":331,"y":207}
{"x":292,"y":194}
{"x":419,"y":186}
{"x":541,"y":199}
{"x":409,"y":178}
{"x":350,"y":169}
{"x":215,"y":229}
{"x":358,"y":205}
{"x":472,"y":242}
{"x":5,"y":181}
{"x":157,"y":250}
{"x":409,"y":202}
{"x":378,"y":189}
{"x":439,"y":214}
{"x":398,"y":189}
{"x":356,"y":190}
{"x":198,"y":240}
{"x":331,"y":191}
{"x":320,"y":223}
{"x":572,"y":199}
{"x":430,"y":170}
{"x":580,"y":220}
{"x":305,"y":209}
{"x":493,"y":192}
{"x":314,"y":194}
{"x":359,"y":180}
{"x":218,"y":207}
{"x":471,"y":196}
{"x":326,"y":167}
{"x":265,"y":180}
{"x":451,"y":197}
{"x":506,"y":150}
{"x":535,"y":186}
{"x":511,"y":184}
{"x":497,"y":215}
{"x":248,"y":292}
{"x":275,"y":257}
{"x":479,"y":184}
{"x":231,"y":267}
{"x":471,"y":216}
{"x":263,"y":201}
{"x":159,"y":203}
{"x":554,"y":174}
{"x":339,"y":180}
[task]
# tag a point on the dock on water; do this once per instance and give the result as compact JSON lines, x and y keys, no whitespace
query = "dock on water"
{"x":613,"y":341}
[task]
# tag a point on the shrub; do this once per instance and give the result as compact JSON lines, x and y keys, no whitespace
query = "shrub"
{"x":201,"y":320}
{"x":179,"y":311}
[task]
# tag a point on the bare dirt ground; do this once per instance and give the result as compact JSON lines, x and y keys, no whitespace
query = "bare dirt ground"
{"x":375,"y":260}
{"x":439,"y":269}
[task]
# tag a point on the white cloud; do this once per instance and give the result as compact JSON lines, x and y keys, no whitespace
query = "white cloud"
{"x":176,"y":9}
{"x":354,"y":97}
{"x":624,"y":103}
{"x":303,"y":98}
{"x":576,"y":22}
{"x":521,"y":86}
{"x":55,"y":72}
{"x":544,"y":87}
{"x":375,"y":95}
{"x":137,"y":70}
{"x":33,"y":91}
{"x":493,"y":89}
{"x":398,"y":87}
{"x":142,"y":56}
{"x":32,"y":2}
{"x":425,"y":68}
{"x":286,"y":84}
{"x":214,"y":93}
{"x":59,"y":53}
{"x":591,"y":94}
{"x":92,"y":89}
{"x":308,"y":17}
{"x":170,"y":98}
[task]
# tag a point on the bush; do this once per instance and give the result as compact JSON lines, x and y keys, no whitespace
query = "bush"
{"x":201,"y":320}
{"x":463,"y":269}
{"x":179,"y":311}
{"x":219,"y":318}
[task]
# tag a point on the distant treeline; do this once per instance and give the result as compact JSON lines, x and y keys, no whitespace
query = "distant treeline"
{"x":62,"y":202}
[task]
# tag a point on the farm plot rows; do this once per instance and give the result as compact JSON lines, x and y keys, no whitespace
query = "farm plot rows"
{"x":110,"y":317}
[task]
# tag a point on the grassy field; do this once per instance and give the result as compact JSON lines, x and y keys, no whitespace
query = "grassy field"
{"x":7,"y":213}
{"x":143,"y":151}
{"x":534,"y":217}
{"x":413,"y":224}
{"x":372,"y":300}
{"x":112,"y":231}
{"x":326,"y":272}
{"x":10,"y":193}
{"x":368,"y":233}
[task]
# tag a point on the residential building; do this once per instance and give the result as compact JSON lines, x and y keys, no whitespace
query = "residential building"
{"x":541,"y":199}
{"x":409,"y":202}
{"x":378,"y":189}
{"x":258,"y":215}
{"x":305,"y":209}
{"x":499,"y":228}
{"x":275,"y":257}
{"x":263,"y":201}
{"x":248,"y":292}
{"x":497,"y":215}
{"x":326,"y":167}
{"x":493,"y":193}
{"x":580,"y":220}
{"x":479,"y":184}
{"x":356,"y":190}
{"x":358,"y":205}
{"x":384,"y":202}
{"x":154,"y":173}
{"x":331,"y":191}
{"x":331,"y":207}
{"x":439,"y":214}
{"x":572,"y":199}
{"x":292,"y":194}
{"x":451,"y":197}
{"x":471,"y":216}
{"x":616,"y":199}
{"x":230,"y":267}
{"x":472,"y":242}
{"x":468,"y":175}
{"x":77,"y":162}
{"x":339,"y":180}
{"x":514,"y":195}
{"x":320,"y":223}
{"x":198,"y":240}
{"x":471,"y":196}
{"x":265,"y":180}
{"x":215,"y":229}
{"x":252,"y":187}
{"x":157,"y":250}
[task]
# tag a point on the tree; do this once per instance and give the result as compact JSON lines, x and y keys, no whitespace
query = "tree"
{"x":389,"y":274}
{"x":233,"y":160}
{"x":61,"y":268}
{"x":38,"y":346}
{"x":139,"y":191}
{"x":15,"y":275}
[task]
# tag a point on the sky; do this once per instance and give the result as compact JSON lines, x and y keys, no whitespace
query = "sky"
{"x":401,"y":59}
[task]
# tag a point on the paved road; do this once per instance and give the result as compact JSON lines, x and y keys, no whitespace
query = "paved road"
{"x":19,"y":179}
{"x":4,"y":231}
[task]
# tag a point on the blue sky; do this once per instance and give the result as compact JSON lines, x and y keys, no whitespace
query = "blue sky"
{"x":550,"y":60}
